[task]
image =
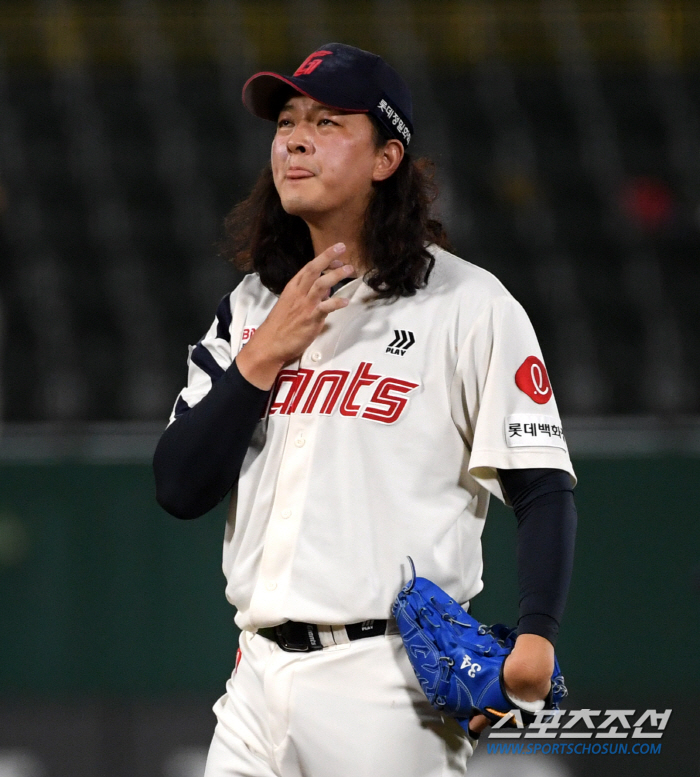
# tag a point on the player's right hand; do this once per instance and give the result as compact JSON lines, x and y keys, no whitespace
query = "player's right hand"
{"x":296,"y":320}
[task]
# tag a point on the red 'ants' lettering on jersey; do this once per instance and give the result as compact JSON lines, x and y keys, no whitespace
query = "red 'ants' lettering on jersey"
{"x":336,"y":379}
{"x":312,"y":62}
{"x":532,"y":379}
{"x":247,"y":334}
{"x":394,"y":406}
{"x":386,"y":405}
{"x":287,"y":401}
{"x":284,"y":377}
{"x":363,"y":377}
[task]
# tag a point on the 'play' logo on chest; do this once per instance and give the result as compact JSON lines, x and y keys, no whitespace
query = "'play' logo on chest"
{"x":403,"y":340}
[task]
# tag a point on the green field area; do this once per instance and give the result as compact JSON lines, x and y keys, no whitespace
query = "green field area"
{"x":105,"y":594}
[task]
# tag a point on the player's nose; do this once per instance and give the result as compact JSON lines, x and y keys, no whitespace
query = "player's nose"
{"x":299,"y":140}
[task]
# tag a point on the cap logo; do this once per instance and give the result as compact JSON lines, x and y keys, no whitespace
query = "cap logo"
{"x":311,"y":63}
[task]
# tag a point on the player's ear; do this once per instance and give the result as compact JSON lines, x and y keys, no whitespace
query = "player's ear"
{"x":388,"y":158}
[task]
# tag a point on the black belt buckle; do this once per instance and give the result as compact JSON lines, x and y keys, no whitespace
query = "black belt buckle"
{"x":298,"y":637}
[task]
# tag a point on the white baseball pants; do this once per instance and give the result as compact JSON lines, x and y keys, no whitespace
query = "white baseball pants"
{"x":351,"y":710}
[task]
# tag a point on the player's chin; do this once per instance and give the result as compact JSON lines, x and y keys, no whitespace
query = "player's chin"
{"x":296,"y":204}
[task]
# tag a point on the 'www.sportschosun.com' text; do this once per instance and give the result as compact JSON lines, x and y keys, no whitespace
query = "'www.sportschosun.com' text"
{"x":573,"y":748}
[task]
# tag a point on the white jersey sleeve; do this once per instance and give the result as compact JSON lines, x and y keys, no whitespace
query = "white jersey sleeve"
{"x":208,"y":359}
{"x":506,"y":397}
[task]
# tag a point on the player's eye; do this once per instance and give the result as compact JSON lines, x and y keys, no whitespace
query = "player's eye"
{"x":327,"y":122}
{"x":284,"y":123}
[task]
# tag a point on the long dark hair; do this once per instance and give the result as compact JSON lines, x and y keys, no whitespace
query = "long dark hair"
{"x":261,"y":236}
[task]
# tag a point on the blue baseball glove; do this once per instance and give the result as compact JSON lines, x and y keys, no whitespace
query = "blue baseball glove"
{"x":457,"y":660}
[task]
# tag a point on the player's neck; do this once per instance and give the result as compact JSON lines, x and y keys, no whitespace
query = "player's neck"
{"x":323,"y":236}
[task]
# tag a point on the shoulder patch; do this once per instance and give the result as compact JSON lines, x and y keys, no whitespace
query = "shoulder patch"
{"x":525,"y":430}
{"x":532,"y":379}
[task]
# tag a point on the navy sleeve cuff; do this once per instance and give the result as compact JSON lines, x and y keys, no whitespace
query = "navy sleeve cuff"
{"x":234,"y":378}
{"x":542,"y":625}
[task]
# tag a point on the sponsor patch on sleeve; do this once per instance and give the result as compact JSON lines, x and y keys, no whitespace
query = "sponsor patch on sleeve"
{"x":525,"y":430}
{"x":532,"y":379}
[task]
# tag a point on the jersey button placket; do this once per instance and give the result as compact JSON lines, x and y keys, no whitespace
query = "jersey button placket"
{"x":287,"y":510}
{"x":290,"y":493}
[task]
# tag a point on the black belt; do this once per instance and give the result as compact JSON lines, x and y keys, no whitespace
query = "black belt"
{"x":297,"y":637}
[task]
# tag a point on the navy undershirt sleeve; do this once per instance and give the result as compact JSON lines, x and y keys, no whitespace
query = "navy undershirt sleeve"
{"x":543,"y":501}
{"x":199,"y":456}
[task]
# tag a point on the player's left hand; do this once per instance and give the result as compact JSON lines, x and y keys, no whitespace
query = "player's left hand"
{"x":471,"y":671}
{"x":528,"y":669}
{"x":526,"y":673}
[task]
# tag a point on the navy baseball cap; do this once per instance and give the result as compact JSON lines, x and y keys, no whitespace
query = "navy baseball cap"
{"x":343,"y":77}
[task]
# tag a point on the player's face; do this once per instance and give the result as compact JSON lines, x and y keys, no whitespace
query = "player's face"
{"x":324,"y":160}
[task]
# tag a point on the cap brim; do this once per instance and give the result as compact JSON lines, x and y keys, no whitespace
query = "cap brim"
{"x":263,"y":94}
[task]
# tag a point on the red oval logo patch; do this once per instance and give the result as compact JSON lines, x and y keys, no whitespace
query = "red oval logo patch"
{"x":532,"y":378}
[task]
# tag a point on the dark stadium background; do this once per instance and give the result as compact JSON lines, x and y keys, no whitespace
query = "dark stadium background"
{"x":567,"y":142}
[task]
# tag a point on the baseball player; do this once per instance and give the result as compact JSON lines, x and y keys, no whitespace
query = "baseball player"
{"x":361,"y":393}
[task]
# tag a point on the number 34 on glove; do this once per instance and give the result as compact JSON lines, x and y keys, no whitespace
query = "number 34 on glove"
{"x":457,"y":660}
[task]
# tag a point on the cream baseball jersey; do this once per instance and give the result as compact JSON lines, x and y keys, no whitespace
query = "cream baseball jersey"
{"x":380,"y":442}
